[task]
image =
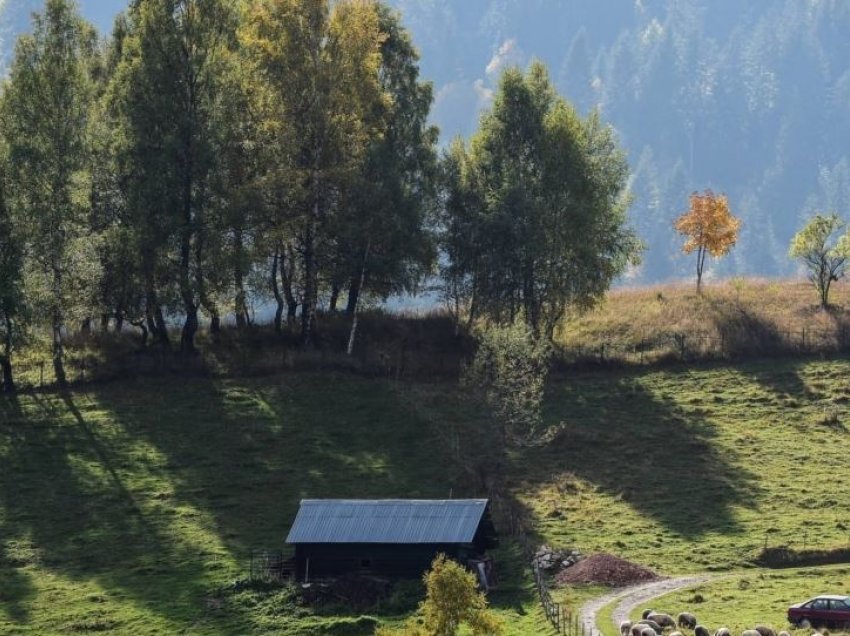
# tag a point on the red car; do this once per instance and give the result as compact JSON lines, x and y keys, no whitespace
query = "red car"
{"x":829,"y":610}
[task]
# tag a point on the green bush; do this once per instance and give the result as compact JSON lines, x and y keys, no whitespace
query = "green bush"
{"x":508,"y":374}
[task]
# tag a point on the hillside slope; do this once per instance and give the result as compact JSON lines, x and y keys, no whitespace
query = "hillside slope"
{"x":125,"y":508}
{"x":737,"y":317}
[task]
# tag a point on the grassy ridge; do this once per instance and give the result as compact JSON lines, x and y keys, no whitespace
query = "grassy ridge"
{"x":740,"y":316}
{"x":124,"y":508}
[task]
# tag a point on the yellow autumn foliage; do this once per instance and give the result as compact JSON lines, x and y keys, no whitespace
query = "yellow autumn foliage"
{"x":709,"y":224}
{"x":709,"y":228}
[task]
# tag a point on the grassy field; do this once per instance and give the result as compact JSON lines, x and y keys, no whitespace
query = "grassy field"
{"x":759,"y":597}
{"x":736,"y":317}
{"x":127,"y":507}
{"x":692,"y":469}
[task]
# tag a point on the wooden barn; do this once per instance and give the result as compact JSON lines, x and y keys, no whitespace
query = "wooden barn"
{"x":396,"y":538}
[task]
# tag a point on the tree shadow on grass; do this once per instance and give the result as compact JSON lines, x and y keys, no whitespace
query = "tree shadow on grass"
{"x":249,"y":452}
{"x":748,"y":335}
{"x":744,"y":333}
{"x":63,"y":493}
{"x":139,"y":487}
{"x":645,"y":449}
{"x":245,"y":453}
{"x":16,"y":587}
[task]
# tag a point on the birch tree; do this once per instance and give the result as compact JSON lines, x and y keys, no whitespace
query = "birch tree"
{"x":46,"y":107}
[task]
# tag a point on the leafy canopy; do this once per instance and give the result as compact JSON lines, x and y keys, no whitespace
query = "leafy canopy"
{"x":536,"y":207}
{"x":823,"y":246}
{"x":709,"y":225}
{"x":709,"y":228}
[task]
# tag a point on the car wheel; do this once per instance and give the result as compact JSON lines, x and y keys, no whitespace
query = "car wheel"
{"x":804,"y":623}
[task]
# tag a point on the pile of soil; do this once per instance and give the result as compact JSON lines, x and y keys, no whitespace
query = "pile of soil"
{"x":606,"y":569}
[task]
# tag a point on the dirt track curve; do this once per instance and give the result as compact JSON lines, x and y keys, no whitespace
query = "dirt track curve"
{"x":631,"y":597}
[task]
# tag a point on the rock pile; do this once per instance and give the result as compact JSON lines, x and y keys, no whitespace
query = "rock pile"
{"x":552,"y":561}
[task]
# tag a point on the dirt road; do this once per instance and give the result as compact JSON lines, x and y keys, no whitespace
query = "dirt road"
{"x":631,"y":597}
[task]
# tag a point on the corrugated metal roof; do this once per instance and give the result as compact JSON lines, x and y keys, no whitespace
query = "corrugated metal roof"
{"x":387,"y":521}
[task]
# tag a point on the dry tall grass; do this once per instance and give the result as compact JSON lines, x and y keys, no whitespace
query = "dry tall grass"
{"x":737,"y":316}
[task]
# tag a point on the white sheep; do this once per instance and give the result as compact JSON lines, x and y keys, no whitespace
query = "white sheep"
{"x":701,"y":630}
{"x":750,"y":632}
{"x":625,"y":628}
{"x":648,"y":631}
{"x":723,"y":631}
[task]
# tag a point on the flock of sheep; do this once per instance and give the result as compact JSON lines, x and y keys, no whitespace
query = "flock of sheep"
{"x":655,"y":623}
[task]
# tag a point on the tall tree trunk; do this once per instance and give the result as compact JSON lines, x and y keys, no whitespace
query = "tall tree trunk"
{"x":141,"y":326}
{"x":825,"y":284}
{"x":240,"y":303}
{"x":701,"y":254}
{"x":240,"y":308}
{"x":278,"y":297}
{"x":353,"y":296}
{"x":204,"y":299}
{"x":335,"y":289}
{"x":362,"y":281}
{"x":287,"y":274}
{"x":104,"y":323}
{"x":119,"y":320}
{"x":208,"y":304}
{"x":57,"y":325}
{"x":473,"y":310}
{"x":6,"y":358}
{"x":8,"y":380}
{"x":153,"y":314}
{"x":190,"y":324}
{"x":187,"y":232}
{"x":311,"y":279}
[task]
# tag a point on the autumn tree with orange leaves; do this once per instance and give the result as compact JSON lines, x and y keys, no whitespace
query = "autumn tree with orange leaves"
{"x":709,"y":227}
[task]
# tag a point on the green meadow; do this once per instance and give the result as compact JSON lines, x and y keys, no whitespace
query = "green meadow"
{"x":133,"y":507}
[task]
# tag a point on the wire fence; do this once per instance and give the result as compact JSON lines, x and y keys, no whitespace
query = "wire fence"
{"x":699,"y":345}
{"x":271,"y":566}
{"x":560,"y":616}
{"x":401,"y":360}
{"x":392,"y":363}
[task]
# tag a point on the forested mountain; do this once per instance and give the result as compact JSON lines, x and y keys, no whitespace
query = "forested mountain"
{"x":752,"y":99}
